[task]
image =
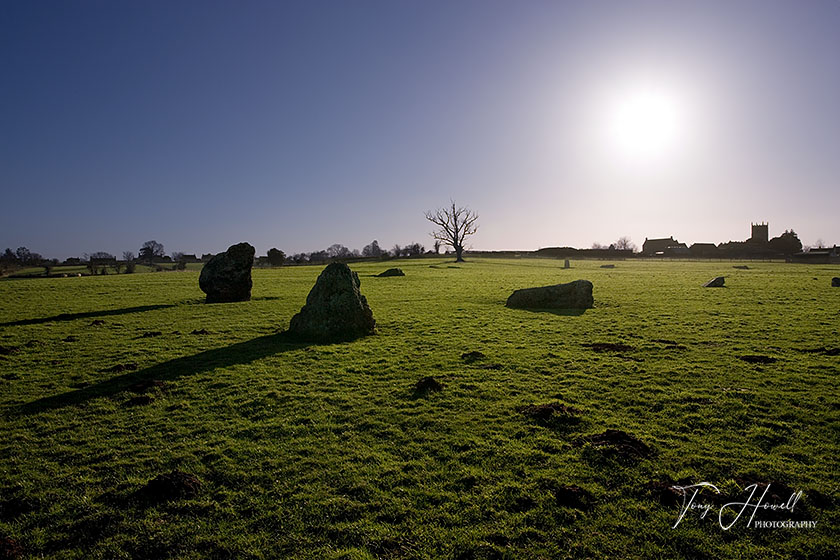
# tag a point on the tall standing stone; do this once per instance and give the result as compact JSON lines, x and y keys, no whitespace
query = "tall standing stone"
{"x":227,"y":276}
{"x":335,"y":309}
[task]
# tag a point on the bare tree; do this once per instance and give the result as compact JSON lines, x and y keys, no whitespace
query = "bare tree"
{"x":8,"y":261}
{"x":128,"y":257}
{"x":90,"y":264}
{"x":180,"y":259}
{"x":318,"y":256}
{"x":455,"y":224}
{"x":28,"y":258}
{"x":151,"y":250}
{"x":276,"y":257}
{"x":98,"y":262}
{"x":625,"y":244}
{"x":372,"y":250}
{"x":338,"y":251}
{"x":414,"y":250}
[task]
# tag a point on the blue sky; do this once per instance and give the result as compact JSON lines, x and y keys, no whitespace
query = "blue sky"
{"x":301,"y":124}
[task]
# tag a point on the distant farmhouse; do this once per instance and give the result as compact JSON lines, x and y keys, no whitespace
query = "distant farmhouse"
{"x":703,"y":250}
{"x":669,"y":247}
{"x":828,"y":255}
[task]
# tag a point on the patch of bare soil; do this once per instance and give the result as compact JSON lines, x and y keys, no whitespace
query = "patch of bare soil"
{"x":427,"y":385}
{"x":10,"y":549}
{"x":624,"y":445}
{"x":549,"y":413}
{"x":171,"y":486}
{"x":147,"y":385}
{"x":572,"y":497}
{"x":139,"y":400}
{"x":471,"y":357}
{"x":665,"y":491}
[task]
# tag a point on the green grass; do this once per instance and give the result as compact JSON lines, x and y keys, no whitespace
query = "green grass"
{"x":323,"y":451}
{"x":60,"y":271}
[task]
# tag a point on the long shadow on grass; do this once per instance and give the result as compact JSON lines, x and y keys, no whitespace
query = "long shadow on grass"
{"x":86,"y":315}
{"x":235,"y":354}
{"x":562,"y":312}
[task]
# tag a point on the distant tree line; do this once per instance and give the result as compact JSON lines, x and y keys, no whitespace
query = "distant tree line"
{"x":370,"y":251}
{"x":98,"y":262}
{"x":597,"y":251}
{"x":622,"y":244}
{"x":152,"y":254}
{"x":23,"y":257}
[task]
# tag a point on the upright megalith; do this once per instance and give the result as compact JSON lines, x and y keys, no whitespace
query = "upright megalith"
{"x":335,"y":309}
{"x":227,"y":276}
{"x":574,"y":295}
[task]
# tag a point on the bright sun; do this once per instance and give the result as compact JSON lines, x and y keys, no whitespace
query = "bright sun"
{"x":646,"y":124}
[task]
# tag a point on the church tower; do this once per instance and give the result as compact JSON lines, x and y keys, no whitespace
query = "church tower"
{"x":760,"y":233}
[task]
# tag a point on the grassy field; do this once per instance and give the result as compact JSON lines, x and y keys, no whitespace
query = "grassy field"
{"x":60,"y":271}
{"x":326,"y":451}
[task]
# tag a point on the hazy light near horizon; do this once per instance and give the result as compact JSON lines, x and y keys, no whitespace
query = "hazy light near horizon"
{"x":646,"y":123}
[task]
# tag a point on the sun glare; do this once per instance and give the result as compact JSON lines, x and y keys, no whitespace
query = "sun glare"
{"x":646,"y":124}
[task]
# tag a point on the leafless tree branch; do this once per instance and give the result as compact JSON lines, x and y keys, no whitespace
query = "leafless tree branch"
{"x":455,"y":225}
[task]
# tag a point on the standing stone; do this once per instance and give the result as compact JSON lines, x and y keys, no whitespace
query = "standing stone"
{"x":835,"y":282}
{"x":335,"y":309}
{"x":227,"y":276}
{"x":574,"y":295}
{"x":567,"y":264}
{"x":715,"y":283}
